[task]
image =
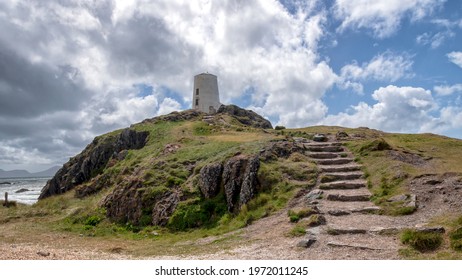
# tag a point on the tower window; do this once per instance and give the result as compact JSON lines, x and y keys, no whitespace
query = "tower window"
{"x":197,"y":91}
{"x":197,"y":102}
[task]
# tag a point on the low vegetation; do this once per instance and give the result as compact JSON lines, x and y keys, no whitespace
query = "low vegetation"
{"x":422,"y":241}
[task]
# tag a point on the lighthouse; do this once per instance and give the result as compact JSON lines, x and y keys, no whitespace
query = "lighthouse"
{"x":205,"y":93}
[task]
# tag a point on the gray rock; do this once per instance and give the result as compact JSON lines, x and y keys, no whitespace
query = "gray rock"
{"x":210,"y":179}
{"x":319,"y":138}
{"x":385,"y":231}
{"x":340,"y":231}
{"x":398,"y":198}
{"x":314,"y":194}
{"x":281,"y":149}
{"x":165,"y":207}
{"x":353,"y":246}
{"x":338,"y":212}
{"x":22,"y":191}
{"x":240,"y":180}
{"x":430,"y":229}
{"x":43,"y":254}
{"x":412,"y":201}
{"x":306,"y":243}
{"x":341,"y":135}
{"x":341,"y":197}
{"x":246,"y":117}
{"x":367,"y":210}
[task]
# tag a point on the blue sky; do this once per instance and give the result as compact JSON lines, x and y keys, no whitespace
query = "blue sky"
{"x":71,"y":70}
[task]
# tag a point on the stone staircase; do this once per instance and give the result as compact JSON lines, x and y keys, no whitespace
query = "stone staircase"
{"x":342,"y":197}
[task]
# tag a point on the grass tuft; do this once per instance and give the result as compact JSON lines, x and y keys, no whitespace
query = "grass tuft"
{"x":422,"y":241}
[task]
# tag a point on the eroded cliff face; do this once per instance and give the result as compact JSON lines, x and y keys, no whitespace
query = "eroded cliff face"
{"x":237,"y":178}
{"x":92,"y":160}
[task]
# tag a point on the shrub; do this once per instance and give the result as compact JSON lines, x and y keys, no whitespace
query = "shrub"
{"x":92,"y":221}
{"x":422,"y":241}
{"x":279,"y":127}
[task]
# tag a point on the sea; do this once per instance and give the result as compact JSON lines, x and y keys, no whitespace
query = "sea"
{"x":31,"y":189}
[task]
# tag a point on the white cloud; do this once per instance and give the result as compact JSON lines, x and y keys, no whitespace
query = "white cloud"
{"x":456,"y":58}
{"x":383,"y":67}
{"x":448,"y":90}
{"x":167,"y":106}
{"x":382,"y":16}
{"x":448,"y":122}
{"x":127,"y":111}
{"x":102,"y":48}
{"x":434,"y":40}
{"x":398,"y":109}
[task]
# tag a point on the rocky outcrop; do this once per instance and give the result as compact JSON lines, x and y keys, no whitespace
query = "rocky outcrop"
{"x":124,"y":204}
{"x":132,"y":203}
{"x":240,"y":181}
{"x":177,"y":116}
{"x":238,"y":176}
{"x":92,"y":160}
{"x":246,"y":117}
{"x":281,"y":149}
{"x":165,"y":207}
{"x":210,"y":179}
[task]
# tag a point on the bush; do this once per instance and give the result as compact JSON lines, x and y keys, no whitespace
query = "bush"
{"x":198,"y":213}
{"x":279,"y":127}
{"x":422,"y":241}
{"x":92,"y":221}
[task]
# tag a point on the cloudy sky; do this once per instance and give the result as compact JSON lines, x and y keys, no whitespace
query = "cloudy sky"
{"x":73,"y":69}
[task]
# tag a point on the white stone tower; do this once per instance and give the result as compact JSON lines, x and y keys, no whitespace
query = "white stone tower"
{"x":205,"y":93}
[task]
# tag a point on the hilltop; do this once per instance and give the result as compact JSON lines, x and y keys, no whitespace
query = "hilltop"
{"x":228,"y":185}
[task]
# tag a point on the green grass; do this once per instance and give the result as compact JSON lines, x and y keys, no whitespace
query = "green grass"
{"x":297,"y":231}
{"x":296,"y":215}
{"x":422,"y":241}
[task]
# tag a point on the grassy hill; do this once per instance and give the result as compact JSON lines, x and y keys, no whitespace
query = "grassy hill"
{"x":164,"y":191}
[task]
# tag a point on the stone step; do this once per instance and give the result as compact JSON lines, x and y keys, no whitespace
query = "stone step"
{"x":368,"y":210}
{"x":342,"y":197}
{"x":340,"y":168}
{"x":340,"y":231}
{"x":352,"y":246}
{"x":322,"y":144}
{"x":334,"y":149}
{"x":365,"y":210}
{"x":334,"y":161}
{"x":350,"y":207}
{"x":338,"y":212}
{"x":343,"y":185}
{"x":341,"y":176}
{"x":323,"y":155}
